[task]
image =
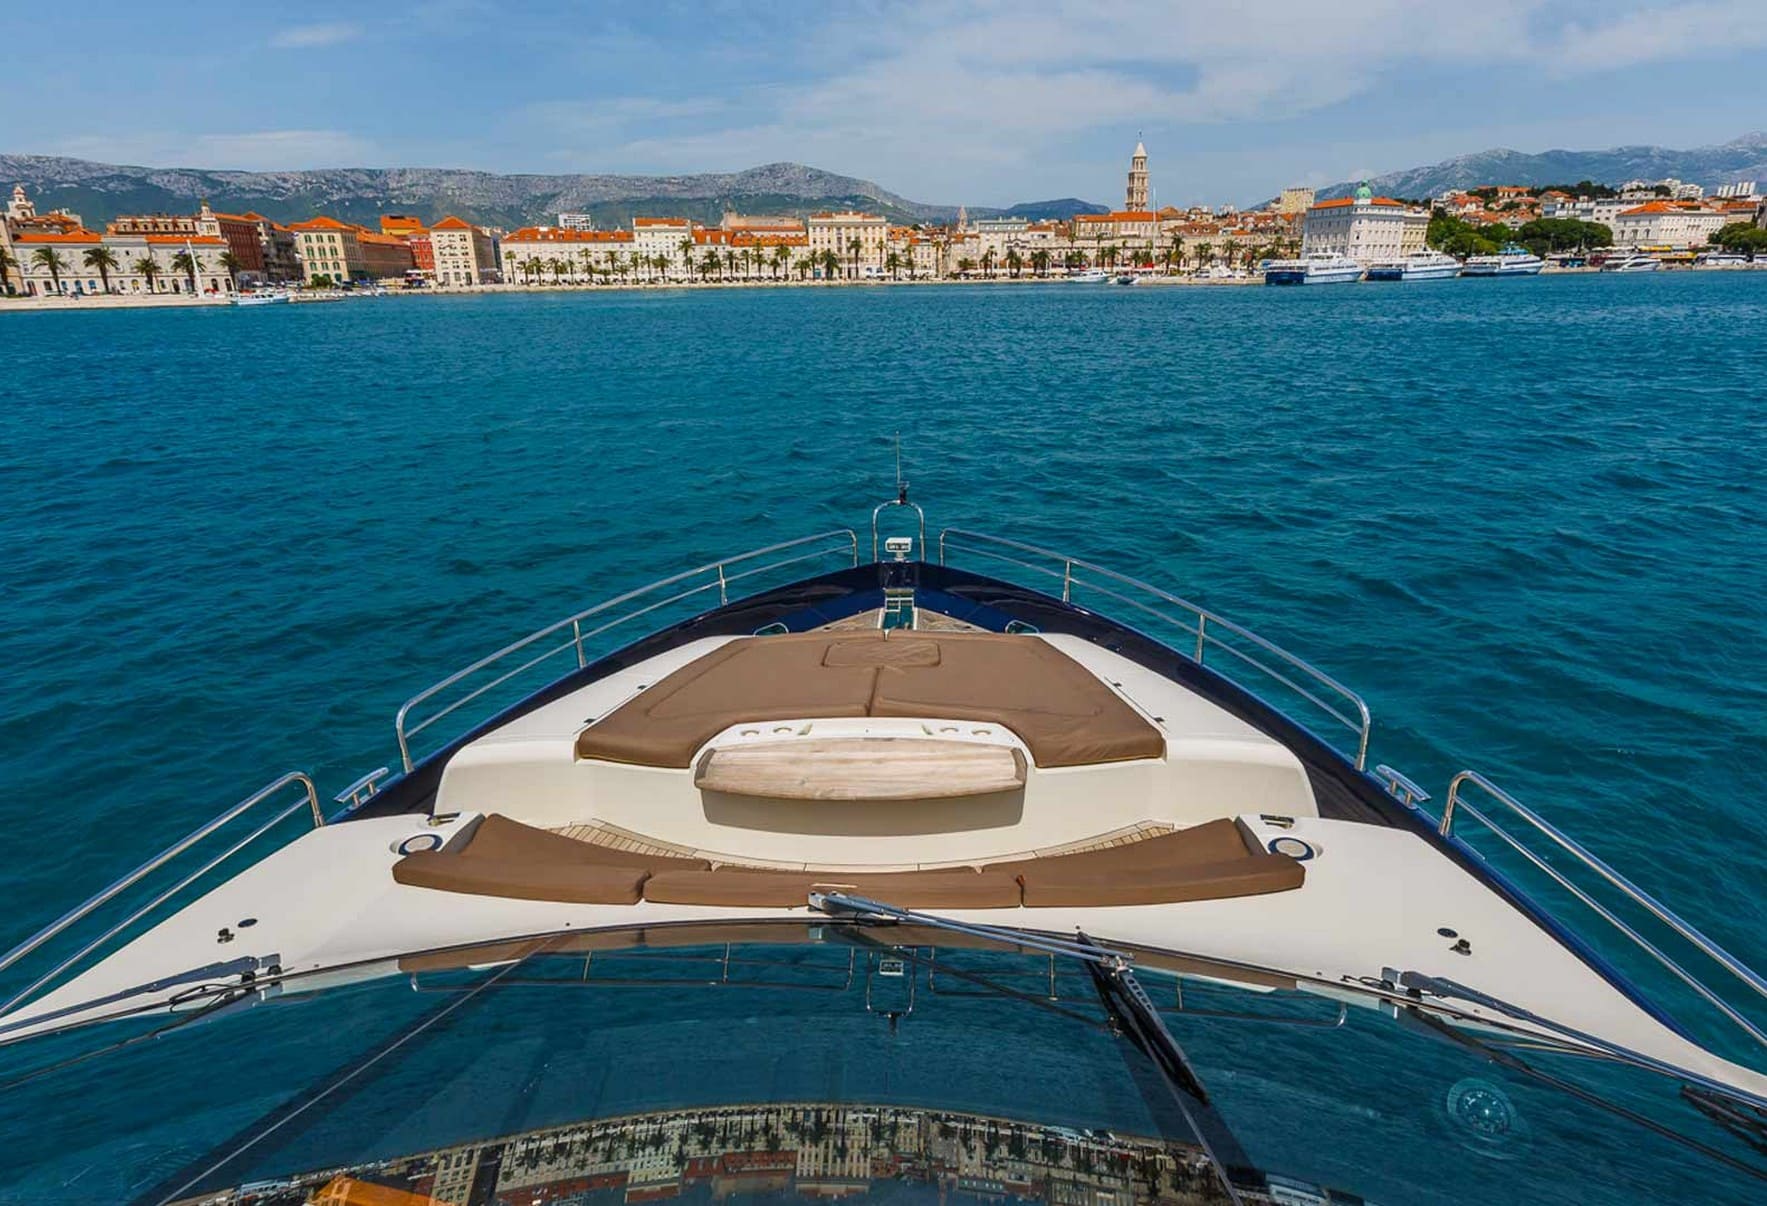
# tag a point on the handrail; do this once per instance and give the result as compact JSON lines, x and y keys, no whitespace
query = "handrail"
{"x":190,"y":839}
{"x":1736,"y":967}
{"x":844,"y":536}
{"x":1203,"y":620}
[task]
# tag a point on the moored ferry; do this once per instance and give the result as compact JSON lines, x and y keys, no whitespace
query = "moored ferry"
{"x":1513,"y":260}
{"x":856,"y":870}
{"x":1418,"y":266}
{"x":1631,"y":262}
{"x":1315,"y":268}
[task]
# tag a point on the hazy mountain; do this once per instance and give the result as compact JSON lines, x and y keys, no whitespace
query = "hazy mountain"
{"x":100,"y":191}
{"x":1059,"y":210}
{"x":1742,"y":159}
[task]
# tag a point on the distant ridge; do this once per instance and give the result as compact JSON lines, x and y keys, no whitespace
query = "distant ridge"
{"x":100,"y":191}
{"x":1743,"y":158}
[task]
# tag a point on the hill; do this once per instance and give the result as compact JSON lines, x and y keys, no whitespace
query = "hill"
{"x":1744,"y":158}
{"x":100,"y":191}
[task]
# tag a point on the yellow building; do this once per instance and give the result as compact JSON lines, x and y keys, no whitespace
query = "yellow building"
{"x":857,"y":239}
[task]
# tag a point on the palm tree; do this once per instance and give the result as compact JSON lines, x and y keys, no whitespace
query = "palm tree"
{"x":1108,"y":255}
{"x":781,"y":260}
{"x":1040,"y":262}
{"x":686,"y":247}
{"x":988,"y":262}
{"x":186,"y":263}
{"x":149,"y":268}
{"x":1205,"y":254}
{"x":7,"y":264}
{"x":1014,"y":262}
{"x":103,"y":259}
{"x":48,"y":257}
{"x":232,"y":264}
{"x":730,"y":261}
{"x":893,"y":265}
{"x":854,"y":247}
{"x":557,"y":266}
{"x":965,"y":266}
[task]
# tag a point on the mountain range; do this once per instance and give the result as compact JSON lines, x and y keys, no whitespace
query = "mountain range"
{"x":100,"y":191}
{"x":1743,"y":158}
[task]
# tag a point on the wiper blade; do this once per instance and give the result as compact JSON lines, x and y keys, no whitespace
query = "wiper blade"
{"x":1420,"y":985}
{"x":1129,"y":1006}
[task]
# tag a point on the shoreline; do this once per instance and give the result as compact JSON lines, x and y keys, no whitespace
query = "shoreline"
{"x":125,"y":301}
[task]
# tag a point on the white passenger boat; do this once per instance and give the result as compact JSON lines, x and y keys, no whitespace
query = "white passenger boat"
{"x":1513,"y":260}
{"x":908,"y":852}
{"x":1634,"y":262}
{"x":1317,"y":268}
{"x":1419,"y":266}
{"x":261,"y":297}
{"x":1091,"y":276}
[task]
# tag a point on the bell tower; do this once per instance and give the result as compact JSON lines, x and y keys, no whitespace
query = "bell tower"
{"x":1136,"y":197}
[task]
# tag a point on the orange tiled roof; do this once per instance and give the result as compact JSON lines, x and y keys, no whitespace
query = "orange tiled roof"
{"x":322,"y":222}
{"x":452,"y":223}
{"x":1121,"y":215}
{"x":381,"y":240}
{"x":78,"y":234}
{"x":681,"y":222}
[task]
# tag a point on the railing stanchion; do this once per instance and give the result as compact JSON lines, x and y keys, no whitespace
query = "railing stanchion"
{"x":1201,"y":621}
{"x":723,"y":587}
{"x":577,"y":640}
{"x":1067,"y":579}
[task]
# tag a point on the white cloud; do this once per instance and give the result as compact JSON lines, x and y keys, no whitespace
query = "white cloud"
{"x":1651,"y":35}
{"x":308,"y":37}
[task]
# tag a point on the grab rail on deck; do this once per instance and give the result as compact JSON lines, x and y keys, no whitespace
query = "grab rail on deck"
{"x":1455,"y":805}
{"x":836,"y":540}
{"x":85,"y":909}
{"x":1199,"y":621}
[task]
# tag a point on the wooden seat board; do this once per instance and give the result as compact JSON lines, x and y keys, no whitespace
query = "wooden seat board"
{"x":861,"y":769}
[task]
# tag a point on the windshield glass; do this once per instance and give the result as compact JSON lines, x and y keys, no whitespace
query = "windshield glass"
{"x":826,"y":1061}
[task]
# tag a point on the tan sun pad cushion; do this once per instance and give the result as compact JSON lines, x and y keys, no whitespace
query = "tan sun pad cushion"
{"x":506,"y":858}
{"x":1213,"y":861}
{"x":1063,"y":714}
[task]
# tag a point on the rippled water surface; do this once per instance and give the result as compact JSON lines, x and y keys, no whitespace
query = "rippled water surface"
{"x":1523,"y":518}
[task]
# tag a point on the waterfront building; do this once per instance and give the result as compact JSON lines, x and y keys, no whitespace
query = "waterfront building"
{"x":56,"y":254}
{"x":1294,"y":201}
{"x":762,"y":224}
{"x":1364,"y":227}
{"x":1135,"y":195}
{"x":562,"y":254}
{"x":1601,"y":210}
{"x":1133,"y":233}
{"x":464,"y":254}
{"x":857,"y":239}
{"x":342,"y":251}
{"x":1678,"y":224}
{"x":416,"y":236}
{"x":668,"y":238}
{"x":576,"y":221}
{"x":1740,"y":190}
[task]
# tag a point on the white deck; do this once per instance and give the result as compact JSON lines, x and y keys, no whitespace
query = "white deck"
{"x":329,"y":899}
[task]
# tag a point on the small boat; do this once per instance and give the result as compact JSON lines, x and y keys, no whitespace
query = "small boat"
{"x":1725,"y":259}
{"x":261,"y":297}
{"x":1418,"y":266}
{"x":1315,"y":268}
{"x":1633,"y":262}
{"x":1513,"y":260}
{"x":887,"y":873}
{"x":1091,"y":276}
{"x":1125,"y":278}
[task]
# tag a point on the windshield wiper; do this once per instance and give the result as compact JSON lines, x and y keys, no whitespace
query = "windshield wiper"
{"x":1131,"y":1011}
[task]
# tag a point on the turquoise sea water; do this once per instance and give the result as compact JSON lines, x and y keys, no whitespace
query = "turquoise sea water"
{"x":1523,"y":518}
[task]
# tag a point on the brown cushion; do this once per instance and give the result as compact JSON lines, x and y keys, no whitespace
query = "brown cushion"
{"x":960,"y":888}
{"x":505,"y":858}
{"x":585,"y":884}
{"x":1251,"y":875}
{"x":750,"y":679}
{"x":1062,"y":712}
{"x":1213,"y":861}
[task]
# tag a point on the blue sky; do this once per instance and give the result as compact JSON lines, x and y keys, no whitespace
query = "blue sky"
{"x":941,"y":100}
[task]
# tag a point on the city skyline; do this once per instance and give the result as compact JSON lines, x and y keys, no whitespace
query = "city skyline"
{"x":972,"y":103}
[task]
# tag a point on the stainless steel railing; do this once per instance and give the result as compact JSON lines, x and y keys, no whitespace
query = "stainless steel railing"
{"x":1455,"y":805}
{"x":94,"y":902}
{"x":1343,"y":706}
{"x":718,"y":575}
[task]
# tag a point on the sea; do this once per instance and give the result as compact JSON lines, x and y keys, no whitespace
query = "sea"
{"x":1524,"y":519}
